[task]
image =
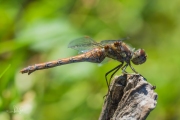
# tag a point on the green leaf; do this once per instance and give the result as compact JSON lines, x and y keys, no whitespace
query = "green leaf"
{"x":5,"y":70}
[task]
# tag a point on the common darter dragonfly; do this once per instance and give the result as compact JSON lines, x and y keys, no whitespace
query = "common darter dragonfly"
{"x":96,"y":52}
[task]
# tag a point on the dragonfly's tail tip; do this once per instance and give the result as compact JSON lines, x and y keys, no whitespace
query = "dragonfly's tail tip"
{"x":21,"y":71}
{"x":25,"y":72}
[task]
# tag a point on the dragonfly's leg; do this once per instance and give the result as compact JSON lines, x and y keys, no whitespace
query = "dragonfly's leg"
{"x":119,"y":66}
{"x":116,"y":69}
{"x":110,"y":72}
{"x":124,"y":68}
{"x":132,"y":68}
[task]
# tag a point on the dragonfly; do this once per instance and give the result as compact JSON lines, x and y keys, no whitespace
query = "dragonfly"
{"x":95,"y":52}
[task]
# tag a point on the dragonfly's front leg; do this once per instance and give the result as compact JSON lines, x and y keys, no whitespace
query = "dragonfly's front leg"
{"x":132,"y":68}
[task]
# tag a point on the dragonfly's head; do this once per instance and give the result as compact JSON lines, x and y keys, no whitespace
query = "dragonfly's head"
{"x":139,"y":57}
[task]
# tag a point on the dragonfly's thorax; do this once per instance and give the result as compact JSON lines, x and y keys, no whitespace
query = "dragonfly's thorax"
{"x":118,"y":51}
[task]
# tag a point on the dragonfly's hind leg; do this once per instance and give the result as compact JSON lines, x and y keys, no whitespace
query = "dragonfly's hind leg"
{"x":124,"y":68}
{"x":108,"y":82}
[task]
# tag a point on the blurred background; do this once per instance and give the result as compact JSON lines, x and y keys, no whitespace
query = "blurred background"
{"x":34,"y":31}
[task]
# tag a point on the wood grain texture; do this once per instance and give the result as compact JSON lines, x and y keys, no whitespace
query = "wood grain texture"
{"x":131,"y":98}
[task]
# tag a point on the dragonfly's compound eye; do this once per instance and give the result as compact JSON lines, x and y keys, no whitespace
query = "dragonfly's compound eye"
{"x":139,"y":57}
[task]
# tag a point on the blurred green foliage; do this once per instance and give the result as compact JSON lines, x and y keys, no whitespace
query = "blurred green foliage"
{"x":34,"y":31}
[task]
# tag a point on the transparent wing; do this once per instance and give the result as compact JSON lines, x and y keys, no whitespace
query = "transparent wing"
{"x":105,"y":42}
{"x":83,"y":44}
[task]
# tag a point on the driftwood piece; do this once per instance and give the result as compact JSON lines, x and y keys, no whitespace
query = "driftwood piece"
{"x":131,"y":98}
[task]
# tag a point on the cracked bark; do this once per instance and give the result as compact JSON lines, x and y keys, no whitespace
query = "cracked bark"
{"x":132,"y":98}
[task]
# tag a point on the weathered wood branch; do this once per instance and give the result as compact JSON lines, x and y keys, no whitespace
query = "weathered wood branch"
{"x":131,"y":98}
